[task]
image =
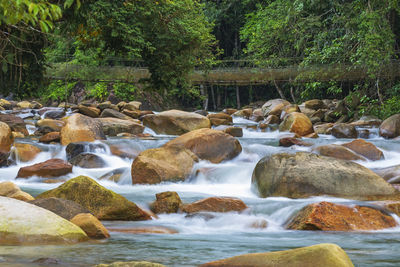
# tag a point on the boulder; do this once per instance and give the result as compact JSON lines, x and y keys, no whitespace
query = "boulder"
{"x":9,"y":189}
{"x":54,"y":114}
{"x":323,"y":128}
{"x":243,"y":113}
{"x":289,"y":109}
{"x":175,"y":122}
{"x":219,"y":119}
{"x":215,"y":204}
{"x":26,"y":152}
{"x":134,"y":114}
{"x":337,"y":151}
{"x":209,"y":144}
{"x":234,"y":131}
{"x":17,"y":135}
{"x":291,"y":141}
{"x":297,"y":123}
{"x":390,"y":174}
{"x":391,"y":206}
{"x":229,"y":111}
{"x":326,"y":216}
{"x":87,"y":160}
{"x":131,"y":264}
{"x":327,"y":255}
{"x":113,"y":126}
{"x":343,"y":130}
{"x":101,"y":202}
{"x":366,"y":149}
{"x":22,"y":223}
{"x":50,"y":137}
{"x":48,"y":169}
{"x":304,"y":174}
{"x":106,"y":104}
{"x":80,"y":128}
{"x":24,"y":105}
{"x":162,"y":164}
{"x":166,"y":202}
{"x":52,"y":125}
{"x":133,"y":105}
{"x":62,"y":207}
{"x":16,"y":123}
{"x":74,"y":149}
{"x":111,"y":113}
{"x":5,"y":104}
{"x":390,"y":128}
{"x":367,"y":121}
{"x":90,"y":225}
{"x":274,"y":107}
{"x":272,"y":119}
{"x":314,"y":104}
{"x":89,"y":111}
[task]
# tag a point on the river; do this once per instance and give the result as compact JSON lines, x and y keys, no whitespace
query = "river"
{"x":199,"y":239}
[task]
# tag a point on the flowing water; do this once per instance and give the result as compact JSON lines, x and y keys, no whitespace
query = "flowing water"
{"x":201,"y":239}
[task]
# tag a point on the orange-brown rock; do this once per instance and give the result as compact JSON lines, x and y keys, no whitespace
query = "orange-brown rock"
{"x":244,"y":113}
{"x":217,"y":119}
{"x":209,"y":144}
{"x":274,"y":107}
{"x":90,"y":225}
{"x":175,"y":122}
{"x":337,"y":151}
{"x":26,"y":152}
{"x":124,"y":151}
{"x":298,"y":123}
{"x":52,"y":125}
{"x":290,"y":141}
{"x":326,"y":216}
{"x":89,"y":111}
{"x":49,"y":168}
{"x":215,"y":204}
{"x":229,"y":111}
{"x":80,"y":128}
{"x":366,"y":149}
{"x":323,"y":128}
{"x":145,"y":230}
{"x":135,"y":114}
{"x":289,"y":109}
{"x":234,"y":131}
{"x":6,"y":138}
{"x":162,"y":164}
{"x":15,"y":123}
{"x":50,"y":137}
{"x":166,"y":202}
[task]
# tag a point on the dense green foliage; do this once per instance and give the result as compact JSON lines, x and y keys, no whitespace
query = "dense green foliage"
{"x":344,"y":47}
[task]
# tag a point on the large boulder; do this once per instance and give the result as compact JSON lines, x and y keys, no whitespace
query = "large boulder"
{"x":274,"y":107}
{"x":51,"y":125}
{"x":327,"y":255}
{"x":326,"y":216}
{"x":219,"y":119}
{"x":215,"y":204}
{"x":162,"y":164}
{"x":343,"y":130}
{"x":366,"y":149}
{"x":133,"y":105}
{"x":111,"y":113}
{"x":26,"y":224}
{"x":390,"y":128}
{"x":74,"y":149}
{"x":306,"y":174}
{"x":80,"y":128}
{"x":113,"y":126}
{"x":6,"y":138}
{"x":62,"y":207}
{"x":90,"y":225}
{"x":337,"y":151}
{"x":166,"y":202}
{"x":48,"y":169}
{"x":89,"y":111}
{"x":9,"y":189}
{"x":209,"y":144}
{"x":101,"y":202}
{"x":315,"y":104}
{"x":16,"y":123}
{"x":87,"y":160}
{"x":298,"y":123}
{"x":175,"y":122}
{"x":26,"y":152}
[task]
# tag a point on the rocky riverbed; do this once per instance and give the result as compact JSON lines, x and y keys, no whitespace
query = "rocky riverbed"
{"x":97,"y":183}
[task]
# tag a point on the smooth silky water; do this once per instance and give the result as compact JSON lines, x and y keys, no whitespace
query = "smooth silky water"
{"x":199,"y":240}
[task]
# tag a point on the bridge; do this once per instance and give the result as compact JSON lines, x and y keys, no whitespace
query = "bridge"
{"x":224,"y":72}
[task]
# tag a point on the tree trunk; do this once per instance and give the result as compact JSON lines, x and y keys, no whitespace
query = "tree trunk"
{"x":379,"y":91}
{"x":203,"y":93}
{"x":213,"y":97}
{"x":237,"y":97}
{"x":279,"y":90}
{"x":291,"y":91}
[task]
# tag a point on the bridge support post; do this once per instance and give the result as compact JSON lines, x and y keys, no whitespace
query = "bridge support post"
{"x":237,"y":96}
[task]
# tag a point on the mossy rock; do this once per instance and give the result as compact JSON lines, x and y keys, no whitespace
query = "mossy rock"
{"x":101,"y":202}
{"x":327,"y":255}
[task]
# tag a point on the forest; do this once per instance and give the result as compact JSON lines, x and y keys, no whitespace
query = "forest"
{"x":339,"y":49}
